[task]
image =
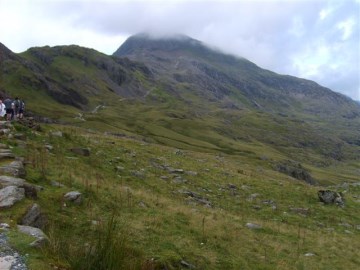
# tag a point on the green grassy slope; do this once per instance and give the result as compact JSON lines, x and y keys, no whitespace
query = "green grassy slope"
{"x":167,"y":205}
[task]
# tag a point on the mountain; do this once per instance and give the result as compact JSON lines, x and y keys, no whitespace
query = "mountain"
{"x":179,"y":92}
{"x":215,"y":75}
{"x":172,"y":155}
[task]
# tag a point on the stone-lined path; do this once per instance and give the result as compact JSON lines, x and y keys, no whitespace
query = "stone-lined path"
{"x":12,"y":190}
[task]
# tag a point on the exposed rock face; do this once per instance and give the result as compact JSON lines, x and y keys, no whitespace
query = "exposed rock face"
{"x":10,"y":195}
{"x":331,"y":197}
{"x":296,"y":170}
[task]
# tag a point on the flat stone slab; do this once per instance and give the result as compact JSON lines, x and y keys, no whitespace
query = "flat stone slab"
{"x":6,"y":181}
{"x":3,"y":146}
{"x":10,"y":195}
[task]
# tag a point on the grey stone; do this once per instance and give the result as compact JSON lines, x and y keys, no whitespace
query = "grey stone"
{"x":10,"y":195}
{"x":56,"y":184}
{"x":331,"y":197}
{"x":3,"y":146}
{"x":56,"y":134}
{"x":187,"y":265}
{"x":309,"y":254}
{"x":15,"y":168}
{"x":253,"y":226}
{"x":73,"y":196}
{"x":81,"y":151}
{"x":48,"y":147}
{"x":34,"y":217}
{"x":4,"y":226}
{"x":300,"y":211}
{"x":7,"y":262}
{"x":40,"y":236}
{"x":6,"y":155}
{"x":20,"y":136}
{"x":6,"y":181}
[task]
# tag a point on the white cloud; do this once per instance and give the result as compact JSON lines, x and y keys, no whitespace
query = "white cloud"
{"x":347,"y":27}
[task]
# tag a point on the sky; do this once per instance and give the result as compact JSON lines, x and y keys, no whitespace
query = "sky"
{"x":313,"y":39}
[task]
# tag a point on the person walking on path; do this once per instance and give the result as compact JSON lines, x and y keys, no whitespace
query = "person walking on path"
{"x":2,"y":109}
{"x":8,"y":108}
{"x":19,"y":108}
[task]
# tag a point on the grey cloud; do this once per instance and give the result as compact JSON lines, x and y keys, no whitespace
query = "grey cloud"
{"x":273,"y":34}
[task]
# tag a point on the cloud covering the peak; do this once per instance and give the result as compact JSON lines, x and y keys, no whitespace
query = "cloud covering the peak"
{"x":317,"y":40}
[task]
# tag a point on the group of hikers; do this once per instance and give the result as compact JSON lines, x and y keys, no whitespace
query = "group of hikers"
{"x":12,"y":109}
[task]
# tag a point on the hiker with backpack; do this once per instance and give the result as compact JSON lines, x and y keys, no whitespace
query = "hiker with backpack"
{"x":8,"y":108}
{"x":19,"y":108}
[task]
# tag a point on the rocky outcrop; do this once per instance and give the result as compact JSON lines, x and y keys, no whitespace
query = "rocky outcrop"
{"x":331,"y":197}
{"x":295,"y":170}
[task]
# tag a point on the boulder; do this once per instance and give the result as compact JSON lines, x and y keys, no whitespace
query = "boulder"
{"x":34,"y":217}
{"x":40,"y":236}
{"x":81,"y":151}
{"x":3,"y":146}
{"x":10,"y":195}
{"x":331,"y":197}
{"x":73,"y":196}
{"x":30,"y":190}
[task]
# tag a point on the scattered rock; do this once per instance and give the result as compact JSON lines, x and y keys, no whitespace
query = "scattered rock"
{"x":73,"y":196}
{"x":192,"y":173}
{"x":10,"y":195}
{"x":331,"y":197}
{"x":7,"y":262}
{"x":81,"y":151}
{"x":300,"y":211}
{"x":232,"y":186}
{"x":34,"y":217}
{"x":253,"y":226}
{"x":186,"y":264}
{"x":172,"y":170}
{"x":6,"y":154}
{"x":40,"y":236}
{"x":296,"y":170}
{"x":56,"y":184}
{"x":20,"y":136}
{"x":48,"y":147}
{"x":253,"y":196}
{"x":309,"y":254}
{"x":3,"y":146}
{"x":196,"y":197}
{"x":6,"y":181}
{"x":56,"y":134}
{"x":4,"y":226}
{"x":15,"y":168}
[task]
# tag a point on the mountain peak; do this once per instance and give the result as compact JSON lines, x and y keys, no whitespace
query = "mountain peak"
{"x":151,"y":42}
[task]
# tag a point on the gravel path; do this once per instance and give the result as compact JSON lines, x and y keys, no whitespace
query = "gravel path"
{"x":9,"y":258}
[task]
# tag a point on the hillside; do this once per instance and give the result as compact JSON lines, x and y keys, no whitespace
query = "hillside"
{"x":186,"y":158}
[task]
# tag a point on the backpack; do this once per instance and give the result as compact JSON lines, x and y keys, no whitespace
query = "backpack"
{"x":17,"y":103}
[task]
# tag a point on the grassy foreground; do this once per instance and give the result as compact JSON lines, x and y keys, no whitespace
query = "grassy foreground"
{"x":149,"y":206}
